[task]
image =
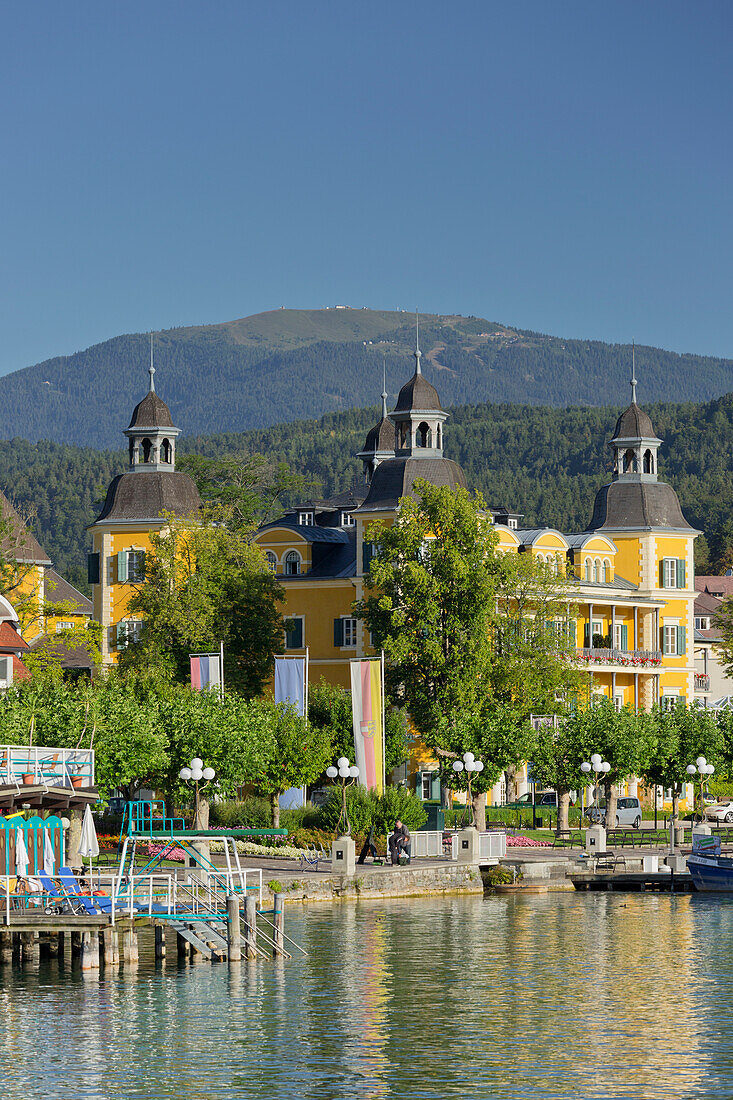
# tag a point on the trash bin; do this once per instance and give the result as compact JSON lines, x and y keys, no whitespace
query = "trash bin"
{"x":436,"y":818}
{"x":539,"y":822}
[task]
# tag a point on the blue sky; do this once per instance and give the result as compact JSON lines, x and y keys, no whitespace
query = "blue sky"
{"x":565,"y":167}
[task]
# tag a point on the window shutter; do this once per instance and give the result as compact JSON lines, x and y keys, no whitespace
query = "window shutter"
{"x":624,"y":637}
{"x":572,"y":633}
{"x":122,"y":567}
{"x":121,"y":635}
{"x":661,"y":574}
{"x":586,"y":635}
{"x":661,"y":640}
{"x":435,"y":787}
{"x":680,"y":640}
{"x":93,"y":568}
{"x":367,"y":553}
{"x":338,"y":632}
{"x":681,"y":582}
{"x":141,"y":566}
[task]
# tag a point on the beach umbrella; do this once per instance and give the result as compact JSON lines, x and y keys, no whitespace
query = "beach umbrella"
{"x":49,"y":856}
{"x":88,"y":845}
{"x":21,"y":854}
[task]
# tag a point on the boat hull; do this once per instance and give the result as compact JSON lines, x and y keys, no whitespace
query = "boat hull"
{"x":711,"y":873}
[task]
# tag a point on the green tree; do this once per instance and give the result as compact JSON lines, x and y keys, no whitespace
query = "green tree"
{"x":681,"y":735}
{"x":242,"y":490}
{"x":294,"y":752}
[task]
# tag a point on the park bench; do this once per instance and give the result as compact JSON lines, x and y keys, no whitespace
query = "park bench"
{"x":567,"y":838}
{"x":609,"y":861}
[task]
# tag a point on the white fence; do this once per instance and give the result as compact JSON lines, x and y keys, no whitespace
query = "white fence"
{"x":426,"y":842}
{"x":491,"y":845}
{"x":45,"y":766}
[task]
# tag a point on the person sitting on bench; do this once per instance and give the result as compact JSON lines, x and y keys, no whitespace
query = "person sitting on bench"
{"x":369,"y":849}
{"x":399,"y":842}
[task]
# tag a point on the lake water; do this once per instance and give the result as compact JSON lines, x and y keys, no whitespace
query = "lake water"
{"x":563,"y":995}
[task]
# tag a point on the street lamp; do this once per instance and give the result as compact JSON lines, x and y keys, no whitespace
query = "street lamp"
{"x":194,"y":773}
{"x":600,"y":766}
{"x":348,"y":774}
{"x":469,"y":764}
{"x":703,"y":768}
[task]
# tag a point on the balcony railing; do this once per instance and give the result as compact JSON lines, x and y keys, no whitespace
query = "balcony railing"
{"x":626,"y":658}
{"x":46,"y":767}
{"x":702,"y":681}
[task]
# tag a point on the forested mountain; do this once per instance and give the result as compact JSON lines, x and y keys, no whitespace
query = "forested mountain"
{"x":289,"y":364}
{"x":546,"y":463}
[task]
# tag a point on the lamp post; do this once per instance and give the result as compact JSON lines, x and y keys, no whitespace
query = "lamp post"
{"x":194,"y":773}
{"x":600,"y":767}
{"x":469,"y":764}
{"x":702,"y":767}
{"x":348,"y":774}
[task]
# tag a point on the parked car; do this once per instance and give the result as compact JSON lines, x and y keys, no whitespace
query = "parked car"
{"x":542,"y":798}
{"x":628,"y":812}
{"x":721,"y":811}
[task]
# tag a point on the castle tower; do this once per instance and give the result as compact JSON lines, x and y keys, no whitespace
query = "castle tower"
{"x":136,"y":505}
{"x":379,"y":443}
{"x":418,"y":417}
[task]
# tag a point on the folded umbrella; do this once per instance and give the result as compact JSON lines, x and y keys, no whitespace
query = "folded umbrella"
{"x":49,"y":856}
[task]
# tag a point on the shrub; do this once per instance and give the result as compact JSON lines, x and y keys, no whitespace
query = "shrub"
{"x":251,"y":813}
{"x":302,"y":817}
{"x":500,"y":876}
{"x":397,"y":802}
{"x":359,"y":807}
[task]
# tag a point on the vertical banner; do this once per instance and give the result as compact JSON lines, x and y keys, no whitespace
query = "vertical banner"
{"x":368,"y":708}
{"x":206,"y":671}
{"x":291,"y":687}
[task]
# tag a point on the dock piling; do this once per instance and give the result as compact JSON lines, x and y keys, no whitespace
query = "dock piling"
{"x":159,"y":941}
{"x":234,"y":931}
{"x":31,"y":947}
{"x":110,"y":948}
{"x":6,"y":947}
{"x":278,"y":921}
{"x":250,"y":927}
{"x":90,"y":950}
{"x":129,"y":945}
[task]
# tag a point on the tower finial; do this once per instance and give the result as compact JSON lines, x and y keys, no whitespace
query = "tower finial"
{"x":633,"y":372}
{"x":384,"y":388}
{"x":417,"y":353}
{"x":151,"y":368}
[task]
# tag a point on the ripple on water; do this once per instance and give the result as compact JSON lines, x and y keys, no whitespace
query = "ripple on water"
{"x":544,"y":997}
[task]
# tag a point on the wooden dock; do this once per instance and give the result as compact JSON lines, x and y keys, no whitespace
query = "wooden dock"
{"x":636,"y":882}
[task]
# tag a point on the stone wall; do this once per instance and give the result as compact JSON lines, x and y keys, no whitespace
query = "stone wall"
{"x":397,"y":882}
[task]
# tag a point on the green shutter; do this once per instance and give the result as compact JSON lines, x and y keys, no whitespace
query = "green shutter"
{"x":338,"y":632}
{"x":586,"y":635}
{"x":121,"y":635}
{"x":661,"y":640}
{"x":572,"y":632}
{"x":122,"y":567}
{"x":661,"y":573}
{"x":681,"y":582}
{"x":680,"y":640}
{"x":624,"y":637}
{"x":435,"y":787}
{"x":367,"y":553}
{"x":93,"y":568}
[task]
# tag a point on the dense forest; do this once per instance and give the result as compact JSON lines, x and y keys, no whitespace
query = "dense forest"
{"x":545,"y":463}
{"x":289,"y":364}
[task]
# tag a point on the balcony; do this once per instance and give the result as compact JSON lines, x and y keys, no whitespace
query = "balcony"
{"x":702,"y":681}
{"x":638,"y":660}
{"x":45,"y":767}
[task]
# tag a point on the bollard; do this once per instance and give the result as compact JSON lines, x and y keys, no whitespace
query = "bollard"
{"x":250,"y":927}
{"x":234,"y":931}
{"x":159,"y":941}
{"x":90,"y":950}
{"x":278,"y":922}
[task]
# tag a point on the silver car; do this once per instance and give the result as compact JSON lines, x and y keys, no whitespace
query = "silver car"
{"x":628,"y":812}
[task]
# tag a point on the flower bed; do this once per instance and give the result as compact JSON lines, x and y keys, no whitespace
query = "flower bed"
{"x":513,"y":841}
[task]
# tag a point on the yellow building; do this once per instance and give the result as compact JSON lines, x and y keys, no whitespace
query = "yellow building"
{"x":633,"y":565}
{"x":136,"y":505}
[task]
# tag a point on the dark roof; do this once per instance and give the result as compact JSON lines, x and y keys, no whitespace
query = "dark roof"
{"x":310,"y":532}
{"x":634,"y":424}
{"x":634,"y":505}
{"x":69,"y":656}
{"x":704,"y":602}
{"x":417,"y":394}
{"x":146,"y":494}
{"x":715,"y":584}
{"x":151,"y":412}
{"x":395,"y":477}
{"x":58,"y":590}
{"x":380,"y":437}
{"x":338,"y":562}
{"x":20,"y":544}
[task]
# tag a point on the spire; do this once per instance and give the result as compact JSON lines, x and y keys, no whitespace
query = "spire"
{"x":151,"y":368}
{"x":384,"y":389}
{"x":417,"y":353}
{"x":633,"y":373}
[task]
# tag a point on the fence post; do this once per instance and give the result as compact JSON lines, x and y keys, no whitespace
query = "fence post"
{"x":234,"y":931}
{"x":278,"y":921}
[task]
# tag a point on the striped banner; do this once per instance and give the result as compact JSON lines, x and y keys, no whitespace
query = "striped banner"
{"x":367,"y":704}
{"x":205,"y":670}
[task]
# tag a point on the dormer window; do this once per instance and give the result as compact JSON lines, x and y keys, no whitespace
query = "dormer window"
{"x":347,"y":520}
{"x":292,"y":563}
{"x":512,"y":524}
{"x":305,"y":519}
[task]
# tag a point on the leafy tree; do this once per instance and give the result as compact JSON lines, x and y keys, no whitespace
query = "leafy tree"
{"x":293,"y":752}
{"x":241,"y":490}
{"x":680,"y":736}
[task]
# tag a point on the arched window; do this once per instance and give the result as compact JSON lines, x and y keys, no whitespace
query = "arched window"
{"x":596,"y":570}
{"x":166,"y":451}
{"x":423,"y":436}
{"x":272,"y":561}
{"x":292,"y":563}
{"x":606,"y":571}
{"x":403,"y":435}
{"x":147,"y":449}
{"x":630,"y":464}
{"x":587,"y":569}
{"x":648,"y":462}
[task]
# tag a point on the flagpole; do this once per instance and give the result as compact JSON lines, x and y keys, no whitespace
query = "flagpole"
{"x":305,"y":702}
{"x":384,"y":726}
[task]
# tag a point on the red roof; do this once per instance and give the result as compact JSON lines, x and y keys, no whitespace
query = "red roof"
{"x":716,"y":586}
{"x":10,"y":638}
{"x":20,"y":672}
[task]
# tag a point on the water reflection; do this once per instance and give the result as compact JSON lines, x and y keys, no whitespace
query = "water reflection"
{"x":543,"y":997}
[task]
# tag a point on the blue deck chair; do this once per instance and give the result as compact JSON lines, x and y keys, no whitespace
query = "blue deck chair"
{"x":64,"y":900}
{"x":68,"y":878}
